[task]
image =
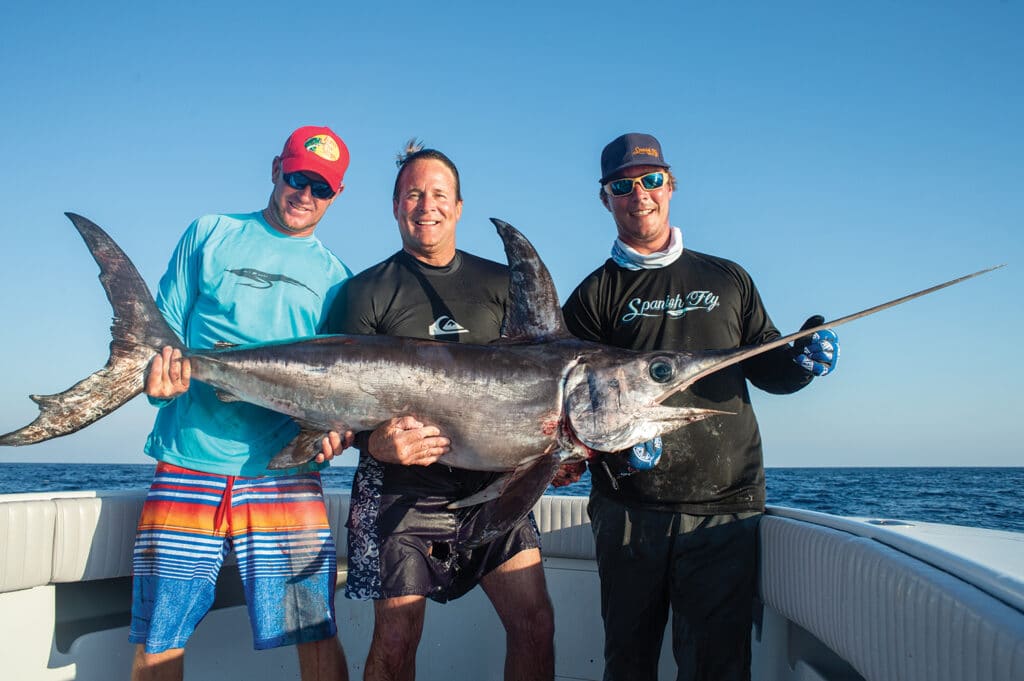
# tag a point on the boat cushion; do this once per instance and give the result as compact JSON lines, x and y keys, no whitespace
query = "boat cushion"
{"x":82,"y":536}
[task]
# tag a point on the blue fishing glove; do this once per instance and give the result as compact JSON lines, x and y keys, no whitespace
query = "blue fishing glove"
{"x":817,"y":353}
{"x":644,"y":456}
{"x":641,"y":457}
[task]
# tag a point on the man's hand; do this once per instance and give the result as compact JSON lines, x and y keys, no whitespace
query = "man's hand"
{"x":817,"y":353}
{"x":168,"y":375}
{"x":408,"y":442}
{"x":333,"y":444}
{"x":568,"y":473}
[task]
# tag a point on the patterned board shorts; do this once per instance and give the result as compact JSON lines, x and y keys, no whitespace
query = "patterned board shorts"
{"x":278,"y":529}
{"x":409,"y":544}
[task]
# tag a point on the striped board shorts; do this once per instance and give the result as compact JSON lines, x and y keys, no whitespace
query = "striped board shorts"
{"x":278,"y":529}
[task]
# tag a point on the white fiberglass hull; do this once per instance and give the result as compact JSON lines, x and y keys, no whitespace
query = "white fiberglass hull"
{"x":843,"y":599}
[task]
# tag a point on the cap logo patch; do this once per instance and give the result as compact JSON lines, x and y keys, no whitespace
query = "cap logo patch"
{"x":645,"y":151}
{"x":323,"y":146}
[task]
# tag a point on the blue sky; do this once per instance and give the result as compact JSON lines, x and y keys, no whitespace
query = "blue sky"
{"x":844,"y":153}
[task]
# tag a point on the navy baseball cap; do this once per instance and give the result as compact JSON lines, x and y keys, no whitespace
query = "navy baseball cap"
{"x":631,"y":149}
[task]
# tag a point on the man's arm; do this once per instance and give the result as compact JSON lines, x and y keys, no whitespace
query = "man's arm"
{"x":773,"y":371}
{"x":168,"y":374}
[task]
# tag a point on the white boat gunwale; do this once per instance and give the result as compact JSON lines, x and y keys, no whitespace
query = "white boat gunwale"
{"x":843,"y":597}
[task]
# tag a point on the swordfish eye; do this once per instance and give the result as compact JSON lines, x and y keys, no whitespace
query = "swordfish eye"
{"x":661,"y":370}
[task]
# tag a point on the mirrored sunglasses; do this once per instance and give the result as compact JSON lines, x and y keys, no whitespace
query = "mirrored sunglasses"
{"x":320,"y":190}
{"x":624,"y":185}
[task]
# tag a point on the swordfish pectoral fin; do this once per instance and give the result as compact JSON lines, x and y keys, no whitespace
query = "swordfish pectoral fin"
{"x":302,"y":448}
{"x":507,"y":500}
{"x":489,"y":493}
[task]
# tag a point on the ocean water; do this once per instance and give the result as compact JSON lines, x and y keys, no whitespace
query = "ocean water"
{"x":975,"y":497}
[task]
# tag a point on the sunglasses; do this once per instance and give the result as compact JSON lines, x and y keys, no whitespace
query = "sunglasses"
{"x":624,"y":185}
{"x":320,"y":190}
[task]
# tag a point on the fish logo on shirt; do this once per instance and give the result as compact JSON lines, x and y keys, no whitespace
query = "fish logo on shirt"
{"x":445,"y":325}
{"x":266,"y":280}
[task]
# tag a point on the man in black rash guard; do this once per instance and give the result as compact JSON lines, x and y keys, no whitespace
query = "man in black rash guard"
{"x":682,"y":533}
{"x":403,"y":544}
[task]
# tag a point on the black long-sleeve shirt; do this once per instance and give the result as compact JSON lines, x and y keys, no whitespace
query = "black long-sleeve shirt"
{"x":461,"y":302}
{"x":699,"y":302}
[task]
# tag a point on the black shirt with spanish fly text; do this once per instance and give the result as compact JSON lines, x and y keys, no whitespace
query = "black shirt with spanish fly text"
{"x":699,"y":302}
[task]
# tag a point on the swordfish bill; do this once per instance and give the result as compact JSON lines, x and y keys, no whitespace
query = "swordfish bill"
{"x":519,"y":407}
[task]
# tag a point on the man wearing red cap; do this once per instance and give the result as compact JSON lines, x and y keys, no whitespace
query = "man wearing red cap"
{"x":240,"y":279}
{"x":675,"y":521}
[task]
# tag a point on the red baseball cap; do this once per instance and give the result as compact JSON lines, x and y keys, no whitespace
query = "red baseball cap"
{"x":316,"y":149}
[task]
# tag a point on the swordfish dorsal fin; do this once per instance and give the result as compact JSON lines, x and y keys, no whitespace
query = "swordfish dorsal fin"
{"x":533,"y":311}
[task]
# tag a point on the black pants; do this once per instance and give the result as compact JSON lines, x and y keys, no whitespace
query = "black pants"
{"x":704,"y":567}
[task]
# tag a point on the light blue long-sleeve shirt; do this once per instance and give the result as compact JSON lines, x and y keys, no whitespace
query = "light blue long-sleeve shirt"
{"x":235,"y":279}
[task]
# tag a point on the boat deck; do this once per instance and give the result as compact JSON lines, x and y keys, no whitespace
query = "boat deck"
{"x":843,"y":599}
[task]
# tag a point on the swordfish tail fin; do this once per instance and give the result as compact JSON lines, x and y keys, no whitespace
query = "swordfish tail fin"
{"x":138,"y":332}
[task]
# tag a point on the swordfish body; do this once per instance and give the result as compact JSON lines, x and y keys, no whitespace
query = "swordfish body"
{"x":521,"y":406}
{"x":500,"y":405}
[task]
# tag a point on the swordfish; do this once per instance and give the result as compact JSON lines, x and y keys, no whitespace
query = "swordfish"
{"x":521,"y":406}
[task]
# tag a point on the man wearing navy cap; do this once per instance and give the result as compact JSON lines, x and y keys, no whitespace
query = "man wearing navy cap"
{"x":241,"y":279}
{"x":675,"y":519}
